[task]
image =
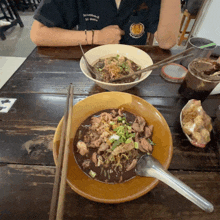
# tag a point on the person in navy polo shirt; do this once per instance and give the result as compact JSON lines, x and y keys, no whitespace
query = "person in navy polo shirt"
{"x":70,"y":22}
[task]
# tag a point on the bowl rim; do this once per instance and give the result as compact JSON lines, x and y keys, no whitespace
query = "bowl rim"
{"x":124,"y":199}
{"x":147,"y":73}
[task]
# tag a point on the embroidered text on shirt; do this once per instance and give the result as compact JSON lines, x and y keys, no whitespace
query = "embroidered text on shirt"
{"x":91,"y":17}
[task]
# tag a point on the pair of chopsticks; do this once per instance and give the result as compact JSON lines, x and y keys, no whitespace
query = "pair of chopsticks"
{"x":57,"y":204}
{"x":164,"y":62}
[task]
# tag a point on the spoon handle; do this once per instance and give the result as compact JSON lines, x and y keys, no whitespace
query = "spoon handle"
{"x":152,"y":67}
{"x":180,"y":187}
{"x":90,"y":67}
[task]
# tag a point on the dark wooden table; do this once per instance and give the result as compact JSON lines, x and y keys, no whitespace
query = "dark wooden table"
{"x":26,"y":163}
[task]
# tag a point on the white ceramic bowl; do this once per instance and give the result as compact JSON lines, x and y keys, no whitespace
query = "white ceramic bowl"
{"x":135,"y":54}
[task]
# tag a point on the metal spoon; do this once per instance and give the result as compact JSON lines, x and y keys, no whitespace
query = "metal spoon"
{"x":91,"y":69}
{"x":150,"y":167}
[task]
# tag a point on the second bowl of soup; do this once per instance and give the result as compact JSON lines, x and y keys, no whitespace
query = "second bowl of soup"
{"x":114,"y":61}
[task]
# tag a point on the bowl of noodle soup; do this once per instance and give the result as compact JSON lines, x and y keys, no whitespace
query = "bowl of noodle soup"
{"x":120,"y":52}
{"x":99,"y":191}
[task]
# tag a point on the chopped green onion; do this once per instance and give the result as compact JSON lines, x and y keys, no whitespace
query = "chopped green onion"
{"x":123,"y":139}
{"x":122,"y":119}
{"x":151,"y":142}
{"x":111,"y":122}
{"x":92,"y":173}
{"x":116,"y":143}
{"x":132,"y":135}
{"x":119,"y":118}
{"x":136,"y":145}
{"x":127,"y":134}
{"x":112,"y":140}
{"x":124,"y":65}
{"x":120,"y":130}
{"x":129,"y":127}
{"x":128,"y":141}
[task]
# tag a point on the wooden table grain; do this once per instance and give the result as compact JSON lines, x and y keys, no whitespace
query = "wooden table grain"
{"x":26,"y":132}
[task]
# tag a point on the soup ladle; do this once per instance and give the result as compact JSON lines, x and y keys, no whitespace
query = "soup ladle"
{"x":148,"y":166}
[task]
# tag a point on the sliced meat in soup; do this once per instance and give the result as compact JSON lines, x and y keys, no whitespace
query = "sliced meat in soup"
{"x":108,"y":145}
{"x":115,"y":67}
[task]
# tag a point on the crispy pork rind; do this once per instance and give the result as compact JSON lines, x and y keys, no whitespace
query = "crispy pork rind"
{"x":196,"y":124}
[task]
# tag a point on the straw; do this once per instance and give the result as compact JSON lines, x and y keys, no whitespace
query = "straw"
{"x":207,"y":45}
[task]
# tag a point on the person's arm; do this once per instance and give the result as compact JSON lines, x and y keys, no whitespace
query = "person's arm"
{"x":169,"y":23}
{"x":42,"y":35}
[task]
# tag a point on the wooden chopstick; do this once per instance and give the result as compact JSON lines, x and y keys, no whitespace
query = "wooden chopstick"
{"x":154,"y":66}
{"x":60,"y":206}
{"x":63,"y":146}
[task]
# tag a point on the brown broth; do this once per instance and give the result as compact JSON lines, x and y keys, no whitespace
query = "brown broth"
{"x":104,"y":75}
{"x":103,"y":174}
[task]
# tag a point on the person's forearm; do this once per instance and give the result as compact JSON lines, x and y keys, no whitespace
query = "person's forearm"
{"x":169,"y":23}
{"x":44,"y":36}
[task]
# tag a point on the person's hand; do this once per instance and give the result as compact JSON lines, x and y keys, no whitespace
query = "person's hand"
{"x":108,"y":35}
